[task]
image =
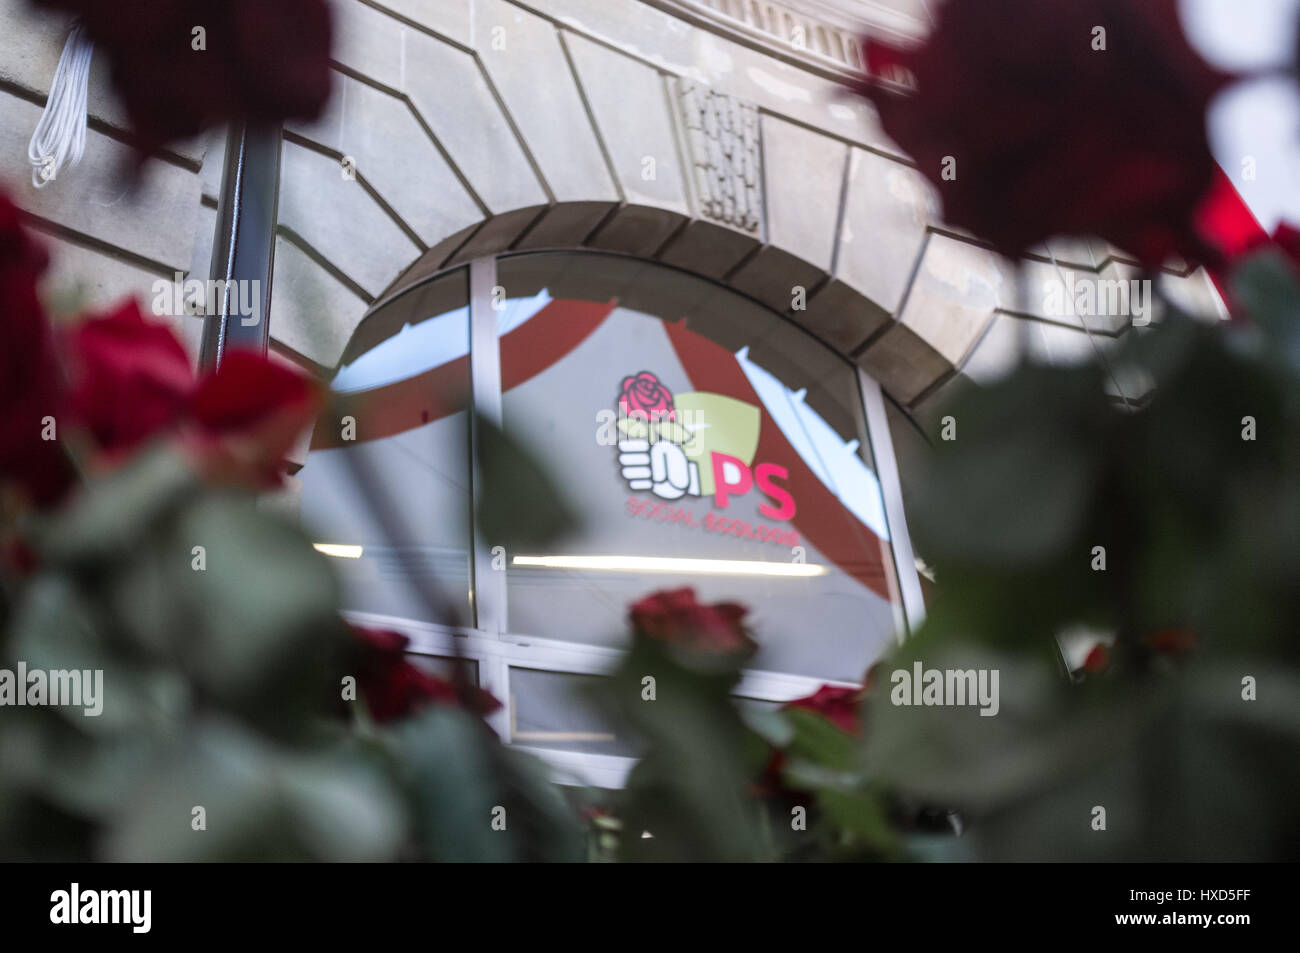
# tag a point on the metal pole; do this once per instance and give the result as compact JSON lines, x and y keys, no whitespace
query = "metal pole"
{"x":243,"y":249}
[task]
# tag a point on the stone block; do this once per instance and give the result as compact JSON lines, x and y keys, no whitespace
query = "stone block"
{"x":842,"y":317}
{"x":392,"y":153}
{"x":522,"y":54}
{"x":804,"y":172}
{"x":952,"y":298}
{"x":637,"y":230}
{"x":630,"y":104}
{"x":773,"y":275}
{"x":887,"y":211}
{"x":340,"y":220}
{"x":312,"y":313}
{"x":566,"y":225}
{"x":154,"y":219}
{"x":449,"y":91}
{"x":708,"y":249}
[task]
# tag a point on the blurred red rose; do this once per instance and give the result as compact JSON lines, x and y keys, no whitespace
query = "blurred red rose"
{"x":677,"y":618}
{"x":119,"y":379}
{"x":1171,"y":642}
{"x":395,"y":688}
{"x":644,"y":394}
{"x":261,"y":60}
{"x":1224,"y":220}
{"x":130,"y":378}
{"x":17,"y":557}
{"x":1287,"y":238}
{"x":842,"y":707}
{"x":246,"y":416}
{"x":30,"y":389}
{"x":1051,"y":136}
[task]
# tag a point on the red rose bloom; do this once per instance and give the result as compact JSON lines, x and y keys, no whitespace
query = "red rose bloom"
{"x":394,"y":688}
{"x":29,"y":374}
{"x":675,"y":617}
{"x":643,"y":394}
{"x":1287,"y":238}
{"x":246,"y":416}
{"x":132,"y":381}
{"x":842,"y":707}
{"x":1051,"y":136}
{"x":261,"y":60}
{"x":131,"y":378}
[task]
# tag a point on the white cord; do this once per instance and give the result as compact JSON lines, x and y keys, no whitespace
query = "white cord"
{"x":60,"y":137}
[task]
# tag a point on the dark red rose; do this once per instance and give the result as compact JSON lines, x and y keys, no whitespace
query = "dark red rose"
{"x":130,"y":378}
{"x":1171,"y":642}
{"x":1226,"y":221}
{"x":1287,"y":238}
{"x":30,"y":381}
{"x":17,"y":557}
{"x":1051,"y":136}
{"x":394,"y":688}
{"x":677,"y":618}
{"x":132,"y":381}
{"x":262,"y":60}
{"x":246,"y":416}
{"x":381,"y":644}
{"x":644,"y":394}
{"x":842,"y":707}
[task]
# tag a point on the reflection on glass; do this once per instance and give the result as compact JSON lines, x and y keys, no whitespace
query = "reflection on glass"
{"x":552,"y":710}
{"x":694,"y":430}
{"x":400,"y":410}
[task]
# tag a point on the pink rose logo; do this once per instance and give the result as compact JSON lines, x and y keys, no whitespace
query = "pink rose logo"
{"x":644,"y":395}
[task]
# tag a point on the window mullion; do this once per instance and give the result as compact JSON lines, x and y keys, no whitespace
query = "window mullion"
{"x":489,"y":593}
{"x":891,"y":488}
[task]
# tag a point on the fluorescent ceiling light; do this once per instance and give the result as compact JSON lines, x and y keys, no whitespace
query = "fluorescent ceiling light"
{"x":338,"y":549}
{"x":726,"y":567}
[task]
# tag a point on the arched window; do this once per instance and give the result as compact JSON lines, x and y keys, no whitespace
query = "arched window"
{"x":702,"y":439}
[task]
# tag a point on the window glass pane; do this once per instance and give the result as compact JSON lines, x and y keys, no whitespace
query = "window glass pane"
{"x":706,"y":441}
{"x":552,"y":710}
{"x":399,"y":412}
{"x":444,"y":667}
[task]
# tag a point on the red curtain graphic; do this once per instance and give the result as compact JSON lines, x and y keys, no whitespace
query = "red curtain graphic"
{"x":559,"y":327}
{"x":827,"y":524}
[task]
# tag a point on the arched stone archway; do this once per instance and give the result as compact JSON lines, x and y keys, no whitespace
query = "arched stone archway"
{"x":614,"y":126}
